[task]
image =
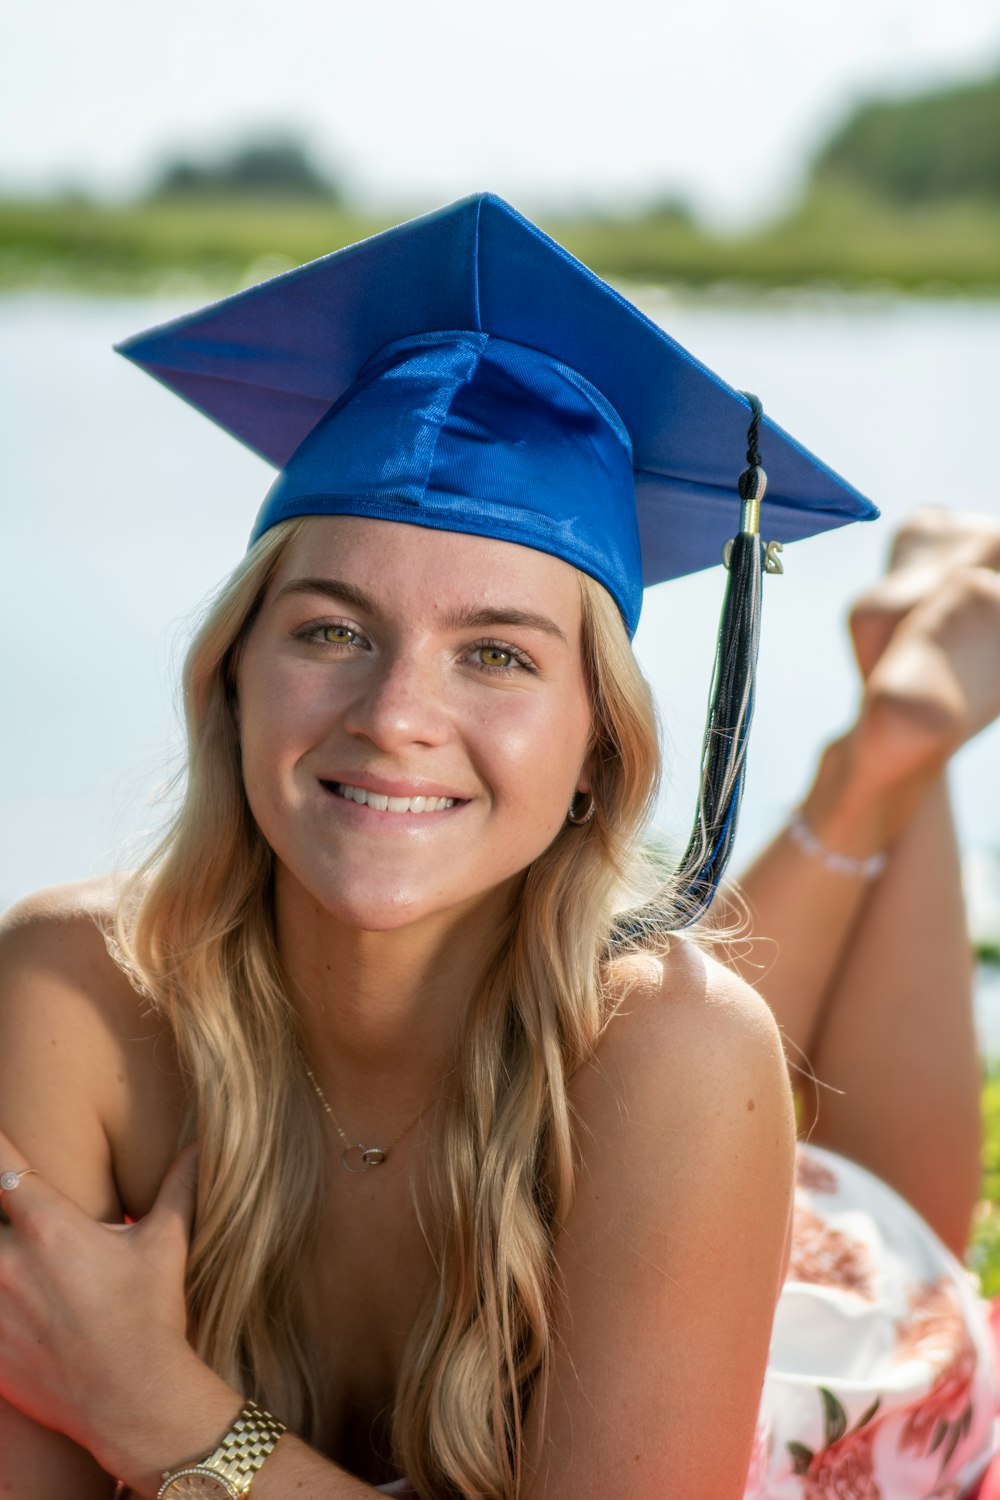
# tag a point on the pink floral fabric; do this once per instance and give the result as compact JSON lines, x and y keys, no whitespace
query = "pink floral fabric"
{"x":881,"y":1382}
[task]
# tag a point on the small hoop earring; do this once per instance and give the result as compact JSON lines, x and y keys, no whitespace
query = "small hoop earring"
{"x":574,"y":815}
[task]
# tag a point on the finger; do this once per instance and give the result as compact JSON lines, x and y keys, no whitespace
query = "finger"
{"x":17,"y":1177}
{"x":34,"y":1199}
{"x":175,"y":1202}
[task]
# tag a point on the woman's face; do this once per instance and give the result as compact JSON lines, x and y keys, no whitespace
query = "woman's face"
{"x":414,"y":717}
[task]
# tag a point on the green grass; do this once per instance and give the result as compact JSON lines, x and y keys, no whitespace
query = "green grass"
{"x":984,"y":1248}
{"x":836,"y":237}
{"x":134,"y":248}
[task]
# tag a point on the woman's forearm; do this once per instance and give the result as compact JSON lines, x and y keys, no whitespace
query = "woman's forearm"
{"x":38,"y":1464}
{"x":177,"y":1414}
{"x":182,"y":1414}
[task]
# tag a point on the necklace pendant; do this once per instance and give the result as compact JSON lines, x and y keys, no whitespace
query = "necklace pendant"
{"x":362,"y":1158}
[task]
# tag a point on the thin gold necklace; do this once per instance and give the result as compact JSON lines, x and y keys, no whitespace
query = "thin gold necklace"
{"x":355,"y":1157}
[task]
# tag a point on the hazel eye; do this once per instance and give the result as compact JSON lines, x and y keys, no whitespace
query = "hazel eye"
{"x":339,"y":635}
{"x":494,"y":656}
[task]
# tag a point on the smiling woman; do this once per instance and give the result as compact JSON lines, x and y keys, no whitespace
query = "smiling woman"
{"x":494,"y":1169}
{"x":392,"y":691}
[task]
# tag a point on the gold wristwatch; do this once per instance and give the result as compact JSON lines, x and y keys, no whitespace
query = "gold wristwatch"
{"x":228,"y":1473}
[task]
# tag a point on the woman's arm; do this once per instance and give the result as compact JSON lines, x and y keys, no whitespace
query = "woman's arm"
{"x":52,"y":1057}
{"x":40,"y":1464}
{"x":674,"y":1253}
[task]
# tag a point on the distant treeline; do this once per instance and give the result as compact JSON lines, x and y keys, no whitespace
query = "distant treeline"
{"x":275,"y":167}
{"x":906,"y":193}
{"x":943,"y":145}
{"x":937,"y":146}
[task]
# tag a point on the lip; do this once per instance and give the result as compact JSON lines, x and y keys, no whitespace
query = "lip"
{"x":382,"y":787}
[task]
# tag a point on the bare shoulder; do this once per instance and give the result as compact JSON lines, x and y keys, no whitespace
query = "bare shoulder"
{"x":94,"y":898}
{"x":78,"y":1044}
{"x":689,"y":1038}
{"x":54,"y":943}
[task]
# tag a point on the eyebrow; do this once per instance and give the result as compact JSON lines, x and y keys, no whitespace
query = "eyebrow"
{"x":462,"y":619}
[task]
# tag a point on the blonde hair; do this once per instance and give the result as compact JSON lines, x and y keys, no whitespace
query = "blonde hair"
{"x":195,"y":929}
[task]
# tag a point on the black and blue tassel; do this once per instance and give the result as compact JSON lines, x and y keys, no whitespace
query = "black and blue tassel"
{"x":730,"y":713}
{"x":731,"y":699}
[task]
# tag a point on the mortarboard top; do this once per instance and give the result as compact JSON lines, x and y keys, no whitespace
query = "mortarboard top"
{"x":505,"y":390}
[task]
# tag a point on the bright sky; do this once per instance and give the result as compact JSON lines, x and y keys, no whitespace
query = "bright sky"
{"x":544,"y":101}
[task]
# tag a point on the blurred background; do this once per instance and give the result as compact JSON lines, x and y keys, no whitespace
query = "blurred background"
{"x":807,"y":197}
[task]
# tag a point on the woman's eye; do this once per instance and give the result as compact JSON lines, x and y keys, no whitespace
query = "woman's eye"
{"x":494,"y":656}
{"x":330,"y":633}
{"x":338,"y":635}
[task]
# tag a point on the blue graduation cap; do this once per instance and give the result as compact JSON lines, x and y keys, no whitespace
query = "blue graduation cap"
{"x":464,"y":372}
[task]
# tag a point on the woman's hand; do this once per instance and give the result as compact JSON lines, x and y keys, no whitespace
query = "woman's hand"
{"x":92,"y":1339}
{"x":91,"y":1314}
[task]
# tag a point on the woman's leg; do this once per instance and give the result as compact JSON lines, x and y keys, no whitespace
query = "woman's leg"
{"x":897,"y":1044}
{"x":872,"y":981}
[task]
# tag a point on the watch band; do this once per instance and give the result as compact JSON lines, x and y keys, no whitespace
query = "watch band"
{"x":252,"y":1437}
{"x":245,"y":1446}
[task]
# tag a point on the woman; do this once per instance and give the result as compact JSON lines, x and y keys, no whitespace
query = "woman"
{"x":481,"y":1199}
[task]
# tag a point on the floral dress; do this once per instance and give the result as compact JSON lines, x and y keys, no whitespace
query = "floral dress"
{"x":881,"y":1382}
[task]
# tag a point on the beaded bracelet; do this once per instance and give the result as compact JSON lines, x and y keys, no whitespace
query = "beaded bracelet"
{"x":840,"y":864}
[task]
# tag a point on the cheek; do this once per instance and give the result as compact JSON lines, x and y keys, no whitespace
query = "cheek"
{"x":278,"y":721}
{"x":279,"y":710}
{"x":537,"y":755}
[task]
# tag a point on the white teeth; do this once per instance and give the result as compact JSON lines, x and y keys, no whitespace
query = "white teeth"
{"x":380,"y":803}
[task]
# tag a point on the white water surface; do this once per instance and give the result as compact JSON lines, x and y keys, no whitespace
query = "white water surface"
{"x":123,"y":508}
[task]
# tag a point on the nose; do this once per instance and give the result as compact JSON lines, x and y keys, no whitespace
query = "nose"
{"x":400,"y":702}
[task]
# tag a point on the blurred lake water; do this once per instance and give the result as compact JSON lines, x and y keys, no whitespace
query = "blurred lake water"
{"x":123,"y":509}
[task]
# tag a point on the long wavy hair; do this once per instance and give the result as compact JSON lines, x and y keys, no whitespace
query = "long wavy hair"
{"x":195,"y":930}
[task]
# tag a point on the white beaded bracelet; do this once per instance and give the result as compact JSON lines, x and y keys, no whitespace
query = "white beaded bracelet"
{"x":840,"y":864}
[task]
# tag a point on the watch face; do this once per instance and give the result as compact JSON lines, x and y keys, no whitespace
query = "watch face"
{"x":198,"y":1484}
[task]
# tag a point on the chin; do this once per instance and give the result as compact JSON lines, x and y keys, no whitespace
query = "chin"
{"x":373,"y":905}
{"x":381,"y":909}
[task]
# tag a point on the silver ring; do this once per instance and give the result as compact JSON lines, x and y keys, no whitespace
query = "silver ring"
{"x":11,"y":1180}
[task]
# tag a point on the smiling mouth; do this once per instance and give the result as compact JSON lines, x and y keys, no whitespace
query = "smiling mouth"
{"x":380,"y":803}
